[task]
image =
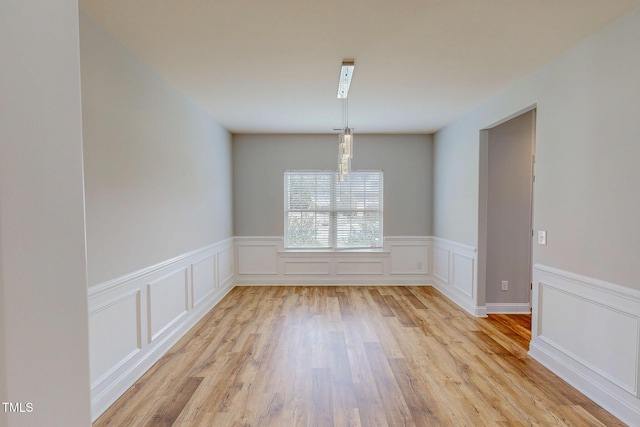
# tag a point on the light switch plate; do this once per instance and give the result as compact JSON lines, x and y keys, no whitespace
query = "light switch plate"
{"x":542,"y":237}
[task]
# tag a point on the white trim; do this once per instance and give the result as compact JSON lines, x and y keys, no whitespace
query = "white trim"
{"x":599,"y":382}
{"x":459,"y":275}
{"x":461,"y":247}
{"x":461,"y":300}
{"x":263,"y":261}
{"x":441,"y":275}
{"x":622,"y":405}
{"x":213,"y":261}
{"x":181,"y":273}
{"x":590,"y":282}
{"x":119,"y":375}
{"x":508,"y":308}
{"x":307,"y":281}
{"x":604,"y":366}
{"x":109,"y":285}
{"x":135,"y":293}
{"x":456,"y":280}
{"x":409,"y":239}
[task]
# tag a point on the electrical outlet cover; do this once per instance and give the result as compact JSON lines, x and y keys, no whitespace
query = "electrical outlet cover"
{"x":542,"y":237}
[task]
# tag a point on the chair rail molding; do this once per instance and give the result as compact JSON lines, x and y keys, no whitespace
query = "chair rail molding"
{"x":455,"y":274}
{"x":587,"y":331}
{"x":136,"y":318}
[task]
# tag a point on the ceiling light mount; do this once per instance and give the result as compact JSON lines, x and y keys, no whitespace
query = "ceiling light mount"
{"x":346,"y":73}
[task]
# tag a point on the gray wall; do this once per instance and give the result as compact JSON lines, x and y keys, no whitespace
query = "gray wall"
{"x":587,"y":152}
{"x":3,"y":340}
{"x":259,"y":162}
{"x":43,"y":316}
{"x":157,"y":168}
{"x":508,"y":195}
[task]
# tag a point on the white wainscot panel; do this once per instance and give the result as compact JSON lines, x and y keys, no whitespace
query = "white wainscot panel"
{"x":115,"y":335}
{"x":135,"y":319}
{"x":601,"y":337}
{"x":167,"y":302}
{"x":463,"y":273}
{"x":361,"y":267}
{"x":225,"y":266}
{"x":307,"y":267}
{"x":203,"y":276}
{"x":409,"y":259}
{"x":441,"y":264}
{"x":257,"y":259}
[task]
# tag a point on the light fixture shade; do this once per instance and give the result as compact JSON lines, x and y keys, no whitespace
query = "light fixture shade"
{"x":346,"y":143}
{"x":344,"y":167}
{"x":345,"y":153}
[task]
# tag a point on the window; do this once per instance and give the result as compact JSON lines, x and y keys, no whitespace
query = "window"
{"x":322,"y":212}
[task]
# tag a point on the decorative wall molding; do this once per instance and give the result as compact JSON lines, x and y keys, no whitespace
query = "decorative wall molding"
{"x":409,"y":255}
{"x":455,"y":269}
{"x":264,"y":261}
{"x":587,"y":331}
{"x":135,"y":319}
{"x":463,"y":273}
{"x":167,"y":302}
{"x":203,"y":276}
{"x":441,"y":262}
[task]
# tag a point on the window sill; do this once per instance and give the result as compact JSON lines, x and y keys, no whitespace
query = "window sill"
{"x":336,"y":251}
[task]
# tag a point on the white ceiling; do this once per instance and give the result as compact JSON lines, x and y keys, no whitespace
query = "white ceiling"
{"x":262,"y":66}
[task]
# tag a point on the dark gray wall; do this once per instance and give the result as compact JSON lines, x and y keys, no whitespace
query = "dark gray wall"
{"x":259,"y":162}
{"x":508,"y":195}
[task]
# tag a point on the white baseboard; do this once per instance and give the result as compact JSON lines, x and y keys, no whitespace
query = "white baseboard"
{"x":508,"y":308}
{"x":134,"y":320}
{"x":460,"y":300}
{"x":454,"y":274}
{"x":588,"y":333}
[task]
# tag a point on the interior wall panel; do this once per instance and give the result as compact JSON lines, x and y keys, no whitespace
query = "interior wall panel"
{"x":463,"y":274}
{"x":167,"y":301}
{"x":587,"y":331}
{"x":134,"y":319}
{"x":263,"y":261}
{"x":203,"y":278}
{"x":115,"y":334}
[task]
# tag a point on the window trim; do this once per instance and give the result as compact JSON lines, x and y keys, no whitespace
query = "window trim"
{"x":333,"y":214}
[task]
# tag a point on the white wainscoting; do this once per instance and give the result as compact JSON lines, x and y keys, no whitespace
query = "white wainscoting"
{"x":135,"y":319}
{"x":588,"y":332}
{"x":263,"y":261}
{"x":167,"y":302}
{"x":455,"y":269}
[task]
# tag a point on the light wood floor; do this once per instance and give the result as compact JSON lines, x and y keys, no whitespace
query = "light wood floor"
{"x":351,"y":356}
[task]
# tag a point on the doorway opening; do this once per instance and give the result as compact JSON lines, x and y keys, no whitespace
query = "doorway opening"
{"x":505,"y":238}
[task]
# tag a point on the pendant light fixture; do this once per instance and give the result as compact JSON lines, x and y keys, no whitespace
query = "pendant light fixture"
{"x":345,"y":147}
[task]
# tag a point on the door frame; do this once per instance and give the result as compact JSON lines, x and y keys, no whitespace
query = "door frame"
{"x":483,"y":202}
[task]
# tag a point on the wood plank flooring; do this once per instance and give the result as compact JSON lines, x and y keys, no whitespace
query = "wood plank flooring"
{"x":351,"y":356}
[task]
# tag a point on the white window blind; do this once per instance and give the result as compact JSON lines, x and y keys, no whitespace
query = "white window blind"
{"x":323,"y":212}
